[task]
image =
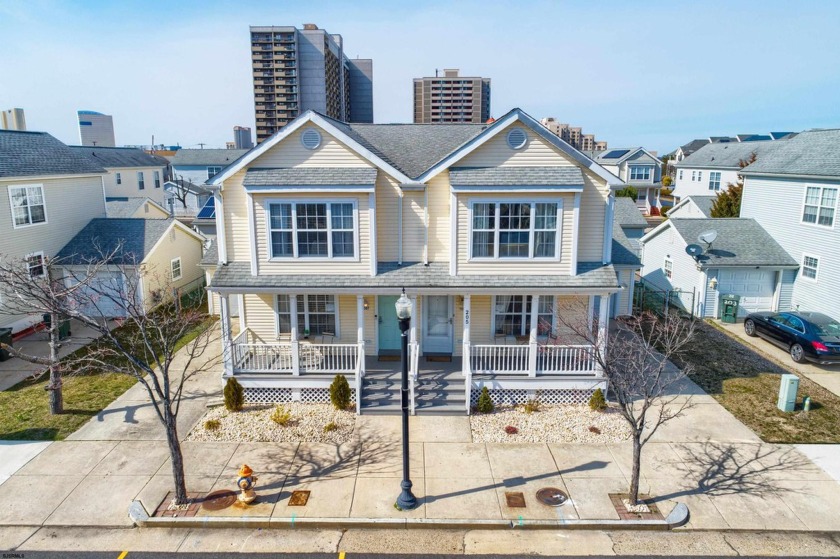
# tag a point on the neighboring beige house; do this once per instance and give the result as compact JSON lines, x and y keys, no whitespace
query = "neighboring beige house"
{"x":497,"y":232}
{"x":153,"y":259}
{"x":48,"y":193}
{"x":132,"y":173}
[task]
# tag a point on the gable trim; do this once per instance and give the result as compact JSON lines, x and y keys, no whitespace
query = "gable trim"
{"x":179,"y":225}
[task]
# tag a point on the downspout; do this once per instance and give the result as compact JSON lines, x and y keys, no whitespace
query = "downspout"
{"x":426,"y":226}
{"x":400,"y":229}
{"x":608,"y":228}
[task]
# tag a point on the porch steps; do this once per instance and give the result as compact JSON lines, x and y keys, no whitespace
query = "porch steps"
{"x":381,"y":393}
{"x":440,"y":394}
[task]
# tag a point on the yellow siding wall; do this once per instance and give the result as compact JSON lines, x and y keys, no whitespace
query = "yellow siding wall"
{"x":150,"y":211}
{"x":347,"y":319}
{"x":414,"y":230}
{"x":438,"y":190}
{"x":157,"y":267}
{"x":387,"y":222}
{"x":291,"y":153}
{"x":593,"y":205}
{"x":370,"y":326}
{"x":236,"y":219}
{"x":496,"y":153}
{"x":260,"y":317}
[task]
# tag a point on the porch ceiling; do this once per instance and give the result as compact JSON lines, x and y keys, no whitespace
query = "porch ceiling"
{"x":593,"y":277}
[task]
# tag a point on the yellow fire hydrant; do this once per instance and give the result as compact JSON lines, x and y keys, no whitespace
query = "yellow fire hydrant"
{"x":246,"y":482}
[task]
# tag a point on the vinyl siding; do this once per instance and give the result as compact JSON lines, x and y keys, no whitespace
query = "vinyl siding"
{"x":669,"y":243}
{"x":414,"y":229}
{"x":622,"y":298}
{"x":129,"y":183}
{"x":786,"y":292}
{"x":150,"y":211}
{"x":593,"y":207}
{"x":777,"y":205}
{"x":689,"y":210}
{"x":712,"y":298}
{"x":157,"y":270}
{"x":686,"y":187}
{"x":387,"y":218}
{"x":260,"y":317}
{"x":496,"y":153}
{"x":291,"y":153}
{"x":439,"y":227}
{"x":236,"y":219}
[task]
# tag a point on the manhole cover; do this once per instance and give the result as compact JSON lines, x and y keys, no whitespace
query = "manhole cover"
{"x":551,"y":496}
{"x":218,"y":500}
{"x":515,"y":499}
{"x":299,"y":498}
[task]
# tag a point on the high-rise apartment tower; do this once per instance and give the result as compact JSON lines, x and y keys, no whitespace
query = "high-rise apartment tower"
{"x":242,"y":137}
{"x":451,"y":98}
{"x":295,"y":70}
{"x":96,"y":129}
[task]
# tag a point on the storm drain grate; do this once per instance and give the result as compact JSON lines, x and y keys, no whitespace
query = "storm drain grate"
{"x":551,"y":496}
{"x":299,"y":498}
{"x":515,"y":499}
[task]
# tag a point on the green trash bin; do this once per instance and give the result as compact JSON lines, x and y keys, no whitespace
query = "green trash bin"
{"x":6,"y":338}
{"x":63,"y":326}
{"x":729,"y":307}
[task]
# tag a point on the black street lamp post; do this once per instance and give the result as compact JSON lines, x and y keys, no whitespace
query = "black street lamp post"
{"x":406,"y":500}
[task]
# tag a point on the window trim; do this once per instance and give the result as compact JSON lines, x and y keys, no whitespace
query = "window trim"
{"x":141,"y":180}
{"x":558,"y":238}
{"x":218,"y":170}
{"x":667,"y":271}
{"x":295,"y":257}
{"x":118,"y":177}
{"x":819,"y":206}
{"x":305,"y":312}
{"x":156,"y":178}
{"x":711,"y":180}
{"x":526,"y":314}
{"x":43,"y":264}
{"x":172,"y":268}
{"x":815,"y":268}
{"x":12,"y":187}
{"x":649,"y":167}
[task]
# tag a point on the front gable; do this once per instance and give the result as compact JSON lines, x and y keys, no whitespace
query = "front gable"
{"x":291,"y":151}
{"x":535,"y":152}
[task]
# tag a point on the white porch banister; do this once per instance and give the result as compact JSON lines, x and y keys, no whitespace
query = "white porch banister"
{"x":249,"y":355}
{"x":529,"y":360}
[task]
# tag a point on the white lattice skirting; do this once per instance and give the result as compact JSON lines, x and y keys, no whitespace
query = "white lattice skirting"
{"x":285,"y":395}
{"x":504,"y":396}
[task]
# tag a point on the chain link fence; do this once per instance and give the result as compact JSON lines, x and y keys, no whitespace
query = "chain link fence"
{"x":648,"y":297}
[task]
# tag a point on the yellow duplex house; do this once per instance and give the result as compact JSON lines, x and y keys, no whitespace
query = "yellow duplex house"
{"x":499,"y":233}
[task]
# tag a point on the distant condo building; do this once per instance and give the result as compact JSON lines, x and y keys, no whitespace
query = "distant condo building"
{"x":451,"y":98}
{"x":96,"y":129}
{"x":573,"y":135}
{"x":13,"y":119}
{"x":295,"y":70}
{"x":242,"y":138}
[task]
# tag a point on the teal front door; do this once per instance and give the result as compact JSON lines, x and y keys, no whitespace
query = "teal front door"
{"x":389,"y":328}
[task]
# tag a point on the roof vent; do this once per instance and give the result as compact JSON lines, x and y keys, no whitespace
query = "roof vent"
{"x":516,"y":138}
{"x":310,"y":138}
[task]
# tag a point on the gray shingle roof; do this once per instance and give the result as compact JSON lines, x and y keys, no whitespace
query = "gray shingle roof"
{"x":101,"y":236}
{"x":515,"y":176}
{"x":237,"y":275}
{"x":728,"y":155}
{"x":120,"y":157}
{"x":211,"y":254}
{"x":740,"y":242}
{"x":214,"y":157}
{"x":123,"y":207}
{"x":24,"y":154}
{"x":627,"y":214}
{"x":704,"y":203}
{"x":813,"y":152}
{"x":693,"y":146}
{"x":311,"y":176}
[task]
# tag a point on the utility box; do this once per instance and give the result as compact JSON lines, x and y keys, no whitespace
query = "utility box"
{"x":6,"y":338}
{"x":729,"y":307}
{"x":787,"y":392}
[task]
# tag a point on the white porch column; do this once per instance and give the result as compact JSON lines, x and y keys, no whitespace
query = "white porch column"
{"x":603,"y":325}
{"x":227,"y":342}
{"x":293,"y":317}
{"x":412,"y":332}
{"x":532,"y":340}
{"x":360,"y":330}
{"x":465,"y":354}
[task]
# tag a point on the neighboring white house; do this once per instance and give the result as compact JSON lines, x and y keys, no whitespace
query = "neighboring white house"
{"x":793,"y":193}
{"x":132,"y":173}
{"x":185,"y":199}
{"x":200,"y":165}
{"x":693,"y":206}
{"x":638,"y":168}
{"x":743,"y":260}
{"x":48,"y":193}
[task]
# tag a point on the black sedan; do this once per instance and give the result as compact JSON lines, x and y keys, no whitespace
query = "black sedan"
{"x":807,"y":336}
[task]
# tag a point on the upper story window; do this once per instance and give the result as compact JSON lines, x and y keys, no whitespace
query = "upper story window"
{"x":810,"y":266}
{"x":714,"y":180}
{"x":175,"y":268}
{"x":213,"y":171}
{"x":141,"y":181}
{"x":36,"y":265}
{"x":640,"y":172}
{"x":157,"y":179}
{"x":700,"y":176}
{"x":668,"y":268}
{"x":819,"y":205}
{"x":28,"y":206}
{"x":515,"y":230}
{"x":693,"y":175}
{"x":680,"y":177}
{"x":312,"y":230}
{"x":512,"y":315}
{"x":119,"y":178}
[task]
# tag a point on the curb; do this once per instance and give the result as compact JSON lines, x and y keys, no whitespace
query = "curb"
{"x":137,"y":512}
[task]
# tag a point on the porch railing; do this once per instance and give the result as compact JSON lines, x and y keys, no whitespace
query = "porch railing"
{"x":505,"y":359}
{"x":515,"y":359}
{"x":252,"y":355}
{"x":575,"y":359}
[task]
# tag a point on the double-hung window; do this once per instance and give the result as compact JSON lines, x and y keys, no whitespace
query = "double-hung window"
{"x":36,"y":265}
{"x":515,"y":229}
{"x":681,"y":174}
{"x":810,"y":266}
{"x":312,"y":230}
{"x":119,"y":178}
{"x":512,"y":315}
{"x":141,"y":181}
{"x":157,"y":179}
{"x":315,"y":313}
{"x":820,"y":203}
{"x":714,"y":180}
{"x":213,"y":171}
{"x":693,"y":175}
{"x":28,"y":206}
{"x":669,"y":268}
{"x":640,"y":172}
{"x":175,"y":268}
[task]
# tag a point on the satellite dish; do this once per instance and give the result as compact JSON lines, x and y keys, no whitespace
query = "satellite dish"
{"x":707,"y":237}
{"x":694,"y":250}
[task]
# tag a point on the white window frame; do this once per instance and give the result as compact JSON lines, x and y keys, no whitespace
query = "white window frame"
{"x":819,"y":206}
{"x":699,"y":176}
{"x":681,"y":174}
{"x":303,"y":311}
{"x":118,"y":177}
{"x":39,"y":254}
{"x":815,"y":268}
{"x":526,"y":313}
{"x":295,"y":256}
{"x":172,"y":268}
{"x":156,"y":177}
{"x":635,"y":168}
{"x":26,"y":188}
{"x":141,"y":181}
{"x":693,"y":175}
{"x":714,"y":181}
{"x":558,"y":238}
{"x":668,"y":268}
{"x":213,"y":170}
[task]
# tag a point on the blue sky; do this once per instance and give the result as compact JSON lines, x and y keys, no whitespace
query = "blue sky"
{"x":656,"y":74}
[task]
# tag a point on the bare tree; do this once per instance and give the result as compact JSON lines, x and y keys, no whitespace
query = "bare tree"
{"x":641,"y":381}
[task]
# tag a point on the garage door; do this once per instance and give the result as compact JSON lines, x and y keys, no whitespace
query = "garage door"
{"x":756,"y":288}
{"x":102,"y":295}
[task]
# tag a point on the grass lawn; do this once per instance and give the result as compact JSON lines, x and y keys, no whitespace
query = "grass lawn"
{"x":24,"y":408}
{"x":747,"y":384}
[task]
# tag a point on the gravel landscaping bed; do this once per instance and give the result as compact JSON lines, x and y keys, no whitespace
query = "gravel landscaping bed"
{"x":254,"y":424}
{"x":551,"y":424}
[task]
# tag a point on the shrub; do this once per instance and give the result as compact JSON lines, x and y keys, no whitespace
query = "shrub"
{"x":485,"y":403}
{"x":281,"y":416}
{"x":667,"y":181}
{"x":627,"y":192}
{"x":340,"y":393}
{"x":597,"y":402}
{"x":511,"y":430}
{"x":593,"y":429}
{"x":234,"y":395}
{"x":330,"y":427}
{"x":531,"y":406}
{"x":212,"y":424}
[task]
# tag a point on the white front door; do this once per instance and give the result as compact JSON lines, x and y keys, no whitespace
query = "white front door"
{"x":437,"y":324}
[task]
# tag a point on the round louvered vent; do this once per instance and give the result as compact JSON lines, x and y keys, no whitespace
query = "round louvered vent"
{"x":310,"y":138}
{"x":516,"y":138}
